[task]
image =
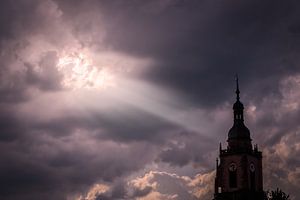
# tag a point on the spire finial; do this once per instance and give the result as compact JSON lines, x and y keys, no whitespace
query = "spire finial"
{"x":237,"y":88}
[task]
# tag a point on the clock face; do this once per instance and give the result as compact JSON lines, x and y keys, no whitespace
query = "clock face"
{"x":232,"y":167}
{"x":252,"y":167}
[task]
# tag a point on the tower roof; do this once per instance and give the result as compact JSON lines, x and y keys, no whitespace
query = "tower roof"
{"x":239,"y":131}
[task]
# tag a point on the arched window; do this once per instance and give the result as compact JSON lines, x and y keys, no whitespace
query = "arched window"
{"x":252,"y":176}
{"x":232,"y":175}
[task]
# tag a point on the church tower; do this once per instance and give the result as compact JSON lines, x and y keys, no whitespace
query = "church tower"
{"x":239,"y":168}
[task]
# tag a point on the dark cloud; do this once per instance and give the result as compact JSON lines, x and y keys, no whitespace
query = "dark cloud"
{"x":206,"y":39}
{"x":185,"y":150}
{"x":11,"y":127}
{"x":127,"y":125}
{"x":57,"y":146}
{"x":52,"y":167}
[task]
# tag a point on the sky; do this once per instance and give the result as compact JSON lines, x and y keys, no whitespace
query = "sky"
{"x":129,"y":100}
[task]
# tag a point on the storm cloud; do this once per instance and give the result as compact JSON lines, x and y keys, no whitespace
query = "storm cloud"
{"x":111,"y":99}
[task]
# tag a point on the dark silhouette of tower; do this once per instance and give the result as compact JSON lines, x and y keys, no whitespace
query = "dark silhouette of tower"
{"x":239,"y":170}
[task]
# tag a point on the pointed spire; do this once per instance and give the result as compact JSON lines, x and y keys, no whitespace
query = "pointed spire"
{"x":237,"y":91}
{"x":239,"y":130}
{"x":238,"y":107}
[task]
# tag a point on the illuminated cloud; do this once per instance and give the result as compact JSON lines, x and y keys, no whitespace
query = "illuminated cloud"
{"x":156,"y":185}
{"x":129,"y":100}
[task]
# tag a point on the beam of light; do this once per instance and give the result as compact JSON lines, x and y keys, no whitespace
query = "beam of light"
{"x":163,"y":104}
{"x":85,"y":74}
{"x":151,"y":99}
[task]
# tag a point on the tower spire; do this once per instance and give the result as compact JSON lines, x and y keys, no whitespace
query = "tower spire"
{"x":237,"y":91}
{"x":238,"y":130}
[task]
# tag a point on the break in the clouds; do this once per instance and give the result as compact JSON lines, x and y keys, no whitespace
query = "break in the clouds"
{"x":118,"y":99}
